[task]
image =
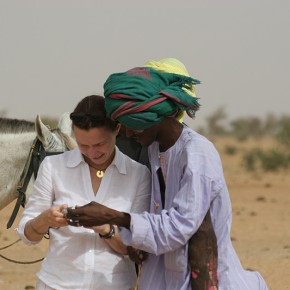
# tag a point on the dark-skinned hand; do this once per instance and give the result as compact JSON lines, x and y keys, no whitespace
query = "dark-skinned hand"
{"x":137,"y":256}
{"x":96,"y":214}
{"x":89,"y":215}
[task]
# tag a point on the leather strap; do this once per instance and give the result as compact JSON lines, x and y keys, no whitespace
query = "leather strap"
{"x":35,"y":157}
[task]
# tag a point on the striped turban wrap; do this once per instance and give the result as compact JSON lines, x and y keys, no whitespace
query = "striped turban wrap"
{"x":144,"y":96}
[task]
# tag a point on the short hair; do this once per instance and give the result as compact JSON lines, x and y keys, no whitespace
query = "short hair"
{"x":90,"y":113}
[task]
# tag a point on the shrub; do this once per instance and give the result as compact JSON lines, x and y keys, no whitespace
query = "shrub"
{"x":273,"y":160}
{"x":283,"y":134}
{"x":231,"y":150}
{"x":251,"y":157}
{"x":242,"y":128}
{"x":214,"y":122}
{"x":269,"y":160}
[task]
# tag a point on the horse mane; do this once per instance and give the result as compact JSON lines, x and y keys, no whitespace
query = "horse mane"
{"x":8,"y":125}
{"x":16,"y":126}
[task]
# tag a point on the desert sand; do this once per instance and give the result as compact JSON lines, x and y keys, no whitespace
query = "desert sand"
{"x":260,"y":230}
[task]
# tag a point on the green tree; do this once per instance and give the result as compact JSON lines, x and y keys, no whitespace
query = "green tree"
{"x":283,"y":134}
{"x":242,"y":128}
{"x":214,"y":122}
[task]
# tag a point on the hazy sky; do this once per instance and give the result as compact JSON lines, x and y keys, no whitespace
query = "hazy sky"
{"x":53,"y":53}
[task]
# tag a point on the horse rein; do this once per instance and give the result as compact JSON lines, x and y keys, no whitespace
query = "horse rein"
{"x":15,"y":261}
{"x":31,"y":166}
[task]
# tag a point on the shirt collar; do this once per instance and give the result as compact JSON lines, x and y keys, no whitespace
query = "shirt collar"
{"x":77,"y":158}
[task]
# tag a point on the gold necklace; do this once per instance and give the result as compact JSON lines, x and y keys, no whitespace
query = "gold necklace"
{"x":99,"y":172}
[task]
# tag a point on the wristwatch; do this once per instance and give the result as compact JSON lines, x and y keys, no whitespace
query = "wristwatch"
{"x":110,"y":234}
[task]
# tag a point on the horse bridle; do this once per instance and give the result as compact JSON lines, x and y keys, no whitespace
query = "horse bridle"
{"x":36,"y":155}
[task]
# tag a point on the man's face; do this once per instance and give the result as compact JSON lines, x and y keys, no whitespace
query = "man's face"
{"x":145,"y":137}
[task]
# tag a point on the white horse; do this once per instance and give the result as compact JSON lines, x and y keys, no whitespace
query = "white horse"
{"x":16,"y":139}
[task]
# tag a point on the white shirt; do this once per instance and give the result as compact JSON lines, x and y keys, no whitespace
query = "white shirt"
{"x":78,"y":258}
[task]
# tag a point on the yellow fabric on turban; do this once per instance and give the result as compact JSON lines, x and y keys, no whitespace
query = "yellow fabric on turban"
{"x":172,"y":65}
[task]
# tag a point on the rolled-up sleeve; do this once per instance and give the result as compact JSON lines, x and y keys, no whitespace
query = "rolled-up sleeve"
{"x":39,"y":201}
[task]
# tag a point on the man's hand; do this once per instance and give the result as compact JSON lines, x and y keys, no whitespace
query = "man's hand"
{"x":95,"y":214}
{"x":137,"y":256}
{"x":89,"y":215}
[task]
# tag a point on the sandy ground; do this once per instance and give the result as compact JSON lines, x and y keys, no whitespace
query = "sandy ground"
{"x":260,"y":232}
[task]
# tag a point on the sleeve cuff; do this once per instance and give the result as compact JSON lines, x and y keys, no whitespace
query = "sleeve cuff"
{"x":20,"y":233}
{"x":137,"y":234}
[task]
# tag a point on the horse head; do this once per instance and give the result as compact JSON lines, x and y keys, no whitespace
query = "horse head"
{"x":17,"y":141}
{"x":59,"y":139}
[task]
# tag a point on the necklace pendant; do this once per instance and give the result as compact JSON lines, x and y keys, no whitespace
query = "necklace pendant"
{"x":100,"y":173}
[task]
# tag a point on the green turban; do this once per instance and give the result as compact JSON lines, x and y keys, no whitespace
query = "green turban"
{"x":143,"y":96}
